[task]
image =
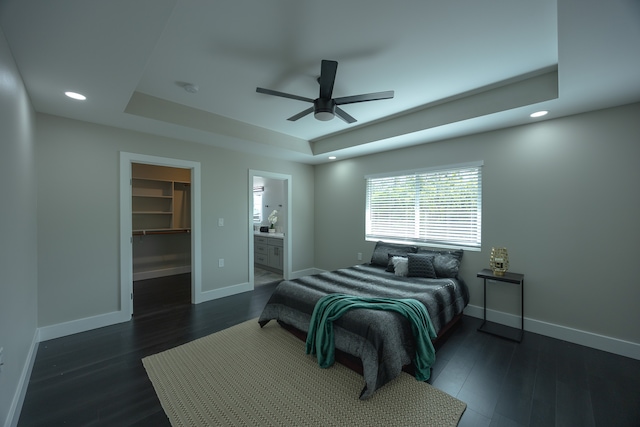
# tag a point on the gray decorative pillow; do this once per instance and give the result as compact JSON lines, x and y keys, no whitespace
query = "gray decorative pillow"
{"x":445,"y":263}
{"x":446,"y":266}
{"x":456,"y":253}
{"x":381,"y":252}
{"x":421,"y":265}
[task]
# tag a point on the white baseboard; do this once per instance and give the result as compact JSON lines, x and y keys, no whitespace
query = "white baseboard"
{"x":576,"y":336}
{"x":245,"y":287}
{"x":108,"y":319}
{"x":163,"y":272}
{"x":223,"y":292}
{"x":82,"y":325}
{"x":18,"y":398}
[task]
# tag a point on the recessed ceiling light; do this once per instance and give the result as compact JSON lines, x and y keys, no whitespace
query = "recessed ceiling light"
{"x":539,"y":114}
{"x":75,"y":95}
{"x":332,"y":157}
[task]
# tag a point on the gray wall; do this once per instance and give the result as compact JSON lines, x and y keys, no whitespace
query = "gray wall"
{"x":18,"y":228}
{"x":561,"y":195}
{"x":274,"y":198}
{"x":78,"y":213}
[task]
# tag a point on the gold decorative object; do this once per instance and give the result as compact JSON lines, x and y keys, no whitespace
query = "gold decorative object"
{"x":499,"y":261}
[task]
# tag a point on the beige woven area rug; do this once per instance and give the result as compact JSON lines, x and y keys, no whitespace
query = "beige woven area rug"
{"x":248,"y":376}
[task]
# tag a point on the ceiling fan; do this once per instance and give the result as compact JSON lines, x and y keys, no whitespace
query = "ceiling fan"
{"x":324,"y":107}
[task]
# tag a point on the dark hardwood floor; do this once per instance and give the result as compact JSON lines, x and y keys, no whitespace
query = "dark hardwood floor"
{"x":96,"y":378}
{"x":155,"y":296}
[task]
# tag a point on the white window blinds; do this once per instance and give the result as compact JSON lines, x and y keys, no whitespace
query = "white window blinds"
{"x":436,"y":207}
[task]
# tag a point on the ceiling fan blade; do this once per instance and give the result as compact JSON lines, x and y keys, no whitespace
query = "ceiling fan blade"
{"x":364,"y":97}
{"x":327,"y":78}
{"x":301,"y":114}
{"x":282,"y":94}
{"x":344,"y":116}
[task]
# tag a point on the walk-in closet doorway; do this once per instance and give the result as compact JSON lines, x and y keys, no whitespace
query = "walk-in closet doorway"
{"x":160,"y":233}
{"x":161,"y":223}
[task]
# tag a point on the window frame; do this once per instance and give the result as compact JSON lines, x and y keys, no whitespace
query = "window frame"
{"x":258,"y":193}
{"x":410,"y":230}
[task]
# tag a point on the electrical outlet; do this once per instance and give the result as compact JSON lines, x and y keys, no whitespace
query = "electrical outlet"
{"x":221,"y":262}
{"x":220,"y":222}
{"x":359,"y":256}
{"x":1,"y":358}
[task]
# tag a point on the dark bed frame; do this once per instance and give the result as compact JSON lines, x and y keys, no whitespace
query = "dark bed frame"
{"x":355,"y":364}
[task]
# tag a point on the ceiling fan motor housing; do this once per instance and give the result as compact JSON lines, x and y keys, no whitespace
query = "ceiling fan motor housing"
{"x":324,"y":109}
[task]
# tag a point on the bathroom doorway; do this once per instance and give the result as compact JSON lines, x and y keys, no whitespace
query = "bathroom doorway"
{"x":269,"y":227}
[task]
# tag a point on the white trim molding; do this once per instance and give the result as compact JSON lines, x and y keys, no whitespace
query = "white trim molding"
{"x":15,"y":409}
{"x":576,"y":336}
{"x":82,"y":325}
{"x":126,"y":250}
{"x":224,"y":292}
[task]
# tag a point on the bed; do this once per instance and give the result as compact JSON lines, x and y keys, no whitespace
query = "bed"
{"x":381,"y":340}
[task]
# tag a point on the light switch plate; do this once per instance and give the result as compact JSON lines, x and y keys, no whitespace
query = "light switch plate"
{"x":220,"y":222}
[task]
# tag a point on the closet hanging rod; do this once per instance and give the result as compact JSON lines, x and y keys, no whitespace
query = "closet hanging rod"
{"x":150,"y":232}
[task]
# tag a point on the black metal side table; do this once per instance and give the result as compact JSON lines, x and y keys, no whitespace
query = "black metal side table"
{"x":515,"y":278}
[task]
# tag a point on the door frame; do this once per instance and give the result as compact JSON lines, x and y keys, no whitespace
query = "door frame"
{"x":126,"y":237}
{"x":286,"y":241}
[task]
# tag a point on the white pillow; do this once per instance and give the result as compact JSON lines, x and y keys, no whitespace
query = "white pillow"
{"x":400,"y":265}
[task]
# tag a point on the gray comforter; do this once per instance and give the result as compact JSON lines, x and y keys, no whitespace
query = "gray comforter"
{"x":381,"y":339}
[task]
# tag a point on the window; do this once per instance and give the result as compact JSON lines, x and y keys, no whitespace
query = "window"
{"x":435,"y":207}
{"x":257,"y":204}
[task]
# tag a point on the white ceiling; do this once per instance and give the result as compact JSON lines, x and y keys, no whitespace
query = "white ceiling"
{"x":457,"y":67}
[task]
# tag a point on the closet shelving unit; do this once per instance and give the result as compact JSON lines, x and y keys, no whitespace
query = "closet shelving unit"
{"x":161,"y":219}
{"x":160,"y":206}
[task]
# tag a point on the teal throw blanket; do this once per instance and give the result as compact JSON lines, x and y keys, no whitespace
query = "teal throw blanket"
{"x":320,"y":338}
